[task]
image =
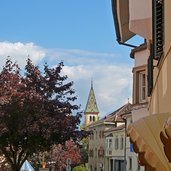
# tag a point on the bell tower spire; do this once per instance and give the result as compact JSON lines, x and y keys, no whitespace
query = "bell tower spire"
{"x":91,"y":113}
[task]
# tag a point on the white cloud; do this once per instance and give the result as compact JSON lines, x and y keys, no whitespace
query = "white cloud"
{"x":19,"y":52}
{"x":112,"y":79}
{"x":79,"y":57}
{"x":112,"y":84}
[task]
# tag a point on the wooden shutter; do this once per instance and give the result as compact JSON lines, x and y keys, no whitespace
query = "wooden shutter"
{"x":158,"y":28}
{"x":150,"y":71}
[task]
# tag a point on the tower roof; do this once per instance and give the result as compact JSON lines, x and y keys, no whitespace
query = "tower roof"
{"x":91,"y":106}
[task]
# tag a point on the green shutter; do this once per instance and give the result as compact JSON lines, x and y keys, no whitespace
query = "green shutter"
{"x":150,"y":71}
{"x":158,"y":28}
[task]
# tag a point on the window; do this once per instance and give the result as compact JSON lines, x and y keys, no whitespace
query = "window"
{"x":94,"y":118}
{"x":111,"y":165}
{"x":130,"y":163}
{"x":90,"y":118}
{"x":91,"y":153}
{"x":96,"y":134}
{"x":122,"y":143}
{"x":102,"y":134}
{"x":119,"y":165}
{"x":95,"y":152}
{"x":116,"y":143}
{"x":110,"y":143}
{"x":142,"y":87}
{"x":91,"y":136}
{"x":101,"y":152}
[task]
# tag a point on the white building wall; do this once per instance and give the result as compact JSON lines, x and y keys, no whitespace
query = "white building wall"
{"x":140,"y":58}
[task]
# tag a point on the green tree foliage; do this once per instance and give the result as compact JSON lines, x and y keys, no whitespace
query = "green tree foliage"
{"x":84,"y":146}
{"x":80,"y":168}
{"x":35,"y":111}
{"x":84,"y":150}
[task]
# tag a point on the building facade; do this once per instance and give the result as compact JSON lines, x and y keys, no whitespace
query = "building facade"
{"x":151,"y":135}
{"x":96,"y":159}
{"x":119,"y":153}
{"x":140,"y":55}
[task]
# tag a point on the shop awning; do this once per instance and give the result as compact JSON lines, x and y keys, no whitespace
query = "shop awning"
{"x":145,"y":136}
{"x":120,"y":10}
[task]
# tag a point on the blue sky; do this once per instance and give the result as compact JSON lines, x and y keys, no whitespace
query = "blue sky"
{"x":81,"y":33}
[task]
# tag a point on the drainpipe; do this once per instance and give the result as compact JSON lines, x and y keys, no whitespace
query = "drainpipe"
{"x":125,"y":161}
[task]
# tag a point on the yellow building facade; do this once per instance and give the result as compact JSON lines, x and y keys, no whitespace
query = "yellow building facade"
{"x":150,"y":19}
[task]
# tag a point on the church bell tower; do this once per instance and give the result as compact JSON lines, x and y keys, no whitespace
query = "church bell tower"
{"x":91,"y":113}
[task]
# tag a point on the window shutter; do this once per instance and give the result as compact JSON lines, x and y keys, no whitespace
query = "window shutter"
{"x":150,"y":72}
{"x":158,"y":30}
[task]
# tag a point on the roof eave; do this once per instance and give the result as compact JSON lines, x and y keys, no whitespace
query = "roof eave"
{"x":117,"y":26}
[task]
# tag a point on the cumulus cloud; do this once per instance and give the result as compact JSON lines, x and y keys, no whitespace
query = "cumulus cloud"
{"x":19,"y":52}
{"x":112,"y":84}
{"x":112,"y":79}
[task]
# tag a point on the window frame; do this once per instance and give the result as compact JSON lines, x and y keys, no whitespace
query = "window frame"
{"x":137,"y":87}
{"x":142,"y":86}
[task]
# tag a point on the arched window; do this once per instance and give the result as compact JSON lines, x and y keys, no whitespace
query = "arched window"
{"x":94,"y":118}
{"x":90,"y":118}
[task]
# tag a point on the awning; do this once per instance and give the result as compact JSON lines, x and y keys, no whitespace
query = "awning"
{"x":120,"y":10}
{"x":145,"y":136}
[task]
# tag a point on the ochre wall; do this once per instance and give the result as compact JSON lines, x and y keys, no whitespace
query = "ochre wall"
{"x":160,"y":101}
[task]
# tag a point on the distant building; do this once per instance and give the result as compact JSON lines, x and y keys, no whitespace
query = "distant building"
{"x":119,"y":153}
{"x":109,"y":147}
{"x":96,"y":159}
{"x":97,"y":127}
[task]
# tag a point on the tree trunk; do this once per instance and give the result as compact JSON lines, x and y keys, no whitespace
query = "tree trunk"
{"x":15,"y":167}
